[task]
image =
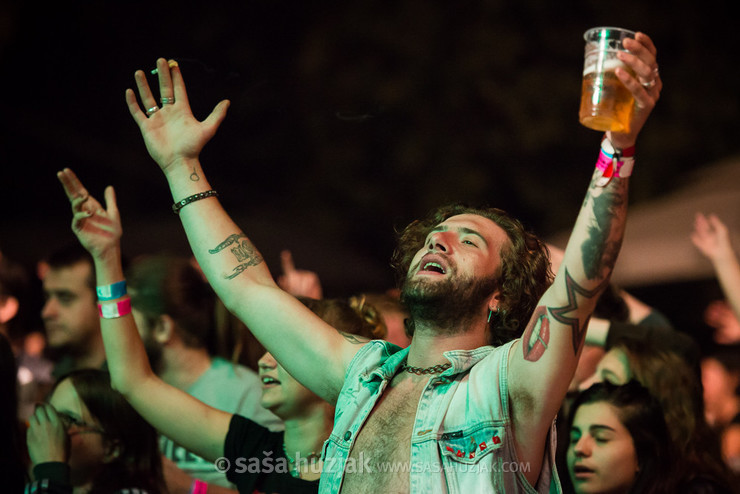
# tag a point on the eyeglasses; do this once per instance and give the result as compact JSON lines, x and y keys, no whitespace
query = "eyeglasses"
{"x":73,"y":425}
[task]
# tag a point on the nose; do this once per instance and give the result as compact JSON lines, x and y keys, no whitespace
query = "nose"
{"x":49,"y":310}
{"x":438,"y":242}
{"x":581,"y":448}
{"x":267,"y":362}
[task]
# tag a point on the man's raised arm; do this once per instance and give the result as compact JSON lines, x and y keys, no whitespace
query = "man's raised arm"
{"x":299,"y":340}
{"x":543,"y":362}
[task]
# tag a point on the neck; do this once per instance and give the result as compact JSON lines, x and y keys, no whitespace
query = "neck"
{"x":306,"y":434}
{"x":429,"y":343}
{"x":182,"y":366}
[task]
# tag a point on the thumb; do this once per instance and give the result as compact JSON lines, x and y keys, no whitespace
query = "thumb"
{"x":213,"y":121}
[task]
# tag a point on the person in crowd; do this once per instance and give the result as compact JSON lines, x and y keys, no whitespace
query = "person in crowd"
{"x":720,"y":370}
{"x":87,"y":438}
{"x":712,"y":238}
{"x":17,"y":301}
{"x":173,"y":307}
{"x":719,"y":316}
{"x":471,"y":277}
{"x":308,"y":418}
{"x":70,"y":313}
{"x":394,"y":315}
{"x":677,"y":387}
{"x":619,"y":442}
{"x":13,"y":458}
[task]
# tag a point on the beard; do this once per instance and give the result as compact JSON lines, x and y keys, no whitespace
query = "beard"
{"x":447,"y":305}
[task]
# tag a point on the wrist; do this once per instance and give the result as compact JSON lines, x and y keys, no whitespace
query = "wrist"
{"x":620,"y":141}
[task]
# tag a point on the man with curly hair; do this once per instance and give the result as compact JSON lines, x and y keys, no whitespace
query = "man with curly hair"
{"x":449,"y":413}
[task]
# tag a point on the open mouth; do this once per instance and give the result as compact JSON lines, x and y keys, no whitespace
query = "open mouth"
{"x":580,"y":471}
{"x":269,"y":381}
{"x":433,"y":267}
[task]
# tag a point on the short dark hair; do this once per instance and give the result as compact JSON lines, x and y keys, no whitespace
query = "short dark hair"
{"x":525,"y":265}
{"x":69,"y":255}
{"x":165,"y":284}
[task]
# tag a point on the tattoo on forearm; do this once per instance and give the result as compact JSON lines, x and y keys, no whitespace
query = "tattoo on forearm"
{"x":537,"y":335}
{"x":574,"y":290}
{"x":598,"y":251}
{"x":243,"y":251}
{"x":194,"y":176}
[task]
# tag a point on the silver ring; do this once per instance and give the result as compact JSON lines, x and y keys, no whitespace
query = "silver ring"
{"x":151,"y":111}
{"x":167,"y":101}
{"x":648,"y":85}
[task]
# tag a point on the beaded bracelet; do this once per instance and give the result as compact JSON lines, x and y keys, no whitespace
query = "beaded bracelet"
{"x":112,"y":291}
{"x":113,"y":310}
{"x":195,"y":197}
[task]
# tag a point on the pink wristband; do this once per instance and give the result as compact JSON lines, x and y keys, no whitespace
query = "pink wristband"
{"x":613,"y":168}
{"x":199,"y":487}
{"x":113,"y":310}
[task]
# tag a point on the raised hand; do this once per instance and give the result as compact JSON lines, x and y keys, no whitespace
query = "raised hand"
{"x":98,"y":229}
{"x":171,"y":133}
{"x":46,"y":436}
{"x":298,"y":282}
{"x":711,"y":237}
{"x":645,"y":85}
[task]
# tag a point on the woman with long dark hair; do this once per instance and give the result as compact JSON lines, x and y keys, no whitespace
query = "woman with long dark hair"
{"x":87,"y":438}
{"x":619,"y":442}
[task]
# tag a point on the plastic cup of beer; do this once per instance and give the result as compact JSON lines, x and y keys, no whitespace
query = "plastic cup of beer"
{"x":606,"y":104}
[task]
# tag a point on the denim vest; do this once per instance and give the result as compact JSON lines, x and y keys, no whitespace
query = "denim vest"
{"x":462,"y":438}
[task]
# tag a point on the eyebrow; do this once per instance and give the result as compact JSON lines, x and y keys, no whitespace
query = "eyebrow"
{"x":600,"y":427}
{"x":462,"y":229}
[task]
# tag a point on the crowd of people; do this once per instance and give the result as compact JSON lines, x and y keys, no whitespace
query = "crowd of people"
{"x":499,"y":364}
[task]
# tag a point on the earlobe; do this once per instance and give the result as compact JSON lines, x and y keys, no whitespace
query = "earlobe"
{"x":164,"y":329}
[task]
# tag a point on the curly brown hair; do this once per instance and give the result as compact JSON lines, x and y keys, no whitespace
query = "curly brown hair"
{"x":524,"y":275}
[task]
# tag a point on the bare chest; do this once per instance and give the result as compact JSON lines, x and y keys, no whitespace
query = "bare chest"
{"x":384,"y":442}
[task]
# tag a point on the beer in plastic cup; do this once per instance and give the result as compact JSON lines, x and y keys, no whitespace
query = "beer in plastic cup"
{"x":606,"y":104}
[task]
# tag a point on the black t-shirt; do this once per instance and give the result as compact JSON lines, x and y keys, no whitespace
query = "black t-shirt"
{"x":257,"y":463}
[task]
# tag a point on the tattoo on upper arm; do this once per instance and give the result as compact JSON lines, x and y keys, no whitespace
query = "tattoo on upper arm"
{"x":243,"y":251}
{"x":598,"y":251}
{"x":353,"y":338}
{"x":537,"y":335}
{"x":574,"y":290}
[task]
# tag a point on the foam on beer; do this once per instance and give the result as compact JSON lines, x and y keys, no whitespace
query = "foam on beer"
{"x":606,"y":66}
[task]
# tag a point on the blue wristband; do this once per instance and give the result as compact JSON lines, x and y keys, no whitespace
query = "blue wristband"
{"x":112,"y":291}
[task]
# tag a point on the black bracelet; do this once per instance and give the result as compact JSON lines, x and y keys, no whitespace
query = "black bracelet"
{"x":195,"y":197}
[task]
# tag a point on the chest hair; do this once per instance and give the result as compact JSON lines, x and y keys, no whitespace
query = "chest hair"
{"x":385,"y":439}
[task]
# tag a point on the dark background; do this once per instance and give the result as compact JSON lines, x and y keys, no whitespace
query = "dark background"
{"x":349,"y":119}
